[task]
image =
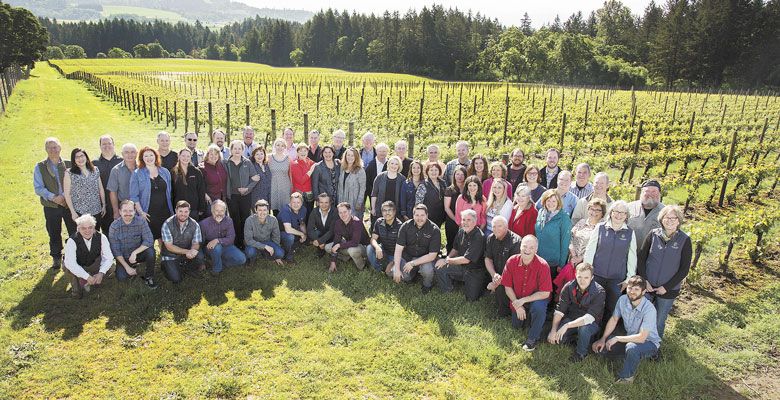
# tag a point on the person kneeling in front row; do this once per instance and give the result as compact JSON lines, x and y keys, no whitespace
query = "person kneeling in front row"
{"x":219,"y":235}
{"x":132,"y":243}
{"x":181,"y":238}
{"x":88,"y":256}
{"x":579,"y":312}
{"x":528,"y":285}
{"x":464,"y":262}
{"x":641,"y":338}
{"x":349,"y":239}
{"x":417,"y":248}
{"x":261,"y":234}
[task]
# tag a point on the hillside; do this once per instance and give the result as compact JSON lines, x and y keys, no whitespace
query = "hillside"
{"x":207,"y":11}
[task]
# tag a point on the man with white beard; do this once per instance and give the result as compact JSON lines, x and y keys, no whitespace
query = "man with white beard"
{"x":643,"y":213}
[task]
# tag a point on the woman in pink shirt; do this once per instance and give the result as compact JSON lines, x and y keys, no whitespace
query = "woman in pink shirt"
{"x":472,"y":199}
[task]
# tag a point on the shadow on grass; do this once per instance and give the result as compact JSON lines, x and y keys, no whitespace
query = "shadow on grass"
{"x":134,"y":308}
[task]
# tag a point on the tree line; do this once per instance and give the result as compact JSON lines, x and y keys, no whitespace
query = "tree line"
{"x":690,"y":43}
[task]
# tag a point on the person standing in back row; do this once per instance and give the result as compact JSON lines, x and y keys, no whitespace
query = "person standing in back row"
{"x":105,"y":163}
{"x":549,"y":174}
{"x":48,"y":176}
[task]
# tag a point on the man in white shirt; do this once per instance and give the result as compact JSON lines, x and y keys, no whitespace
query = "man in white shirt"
{"x":88,"y":257}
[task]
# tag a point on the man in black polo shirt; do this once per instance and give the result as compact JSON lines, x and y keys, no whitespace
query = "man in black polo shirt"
{"x":464,"y":263}
{"x":384,"y":237}
{"x":105,"y":163}
{"x":579,"y":312}
{"x":499,"y":246}
{"x":417,"y":247}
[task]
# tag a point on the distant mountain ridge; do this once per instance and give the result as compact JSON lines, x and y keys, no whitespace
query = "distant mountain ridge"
{"x":207,"y":11}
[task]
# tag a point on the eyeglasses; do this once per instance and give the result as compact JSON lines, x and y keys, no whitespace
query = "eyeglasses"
{"x":619,"y":212}
{"x":192,"y":139}
{"x":533,"y":173}
{"x":595,"y":209}
{"x":670,"y":218}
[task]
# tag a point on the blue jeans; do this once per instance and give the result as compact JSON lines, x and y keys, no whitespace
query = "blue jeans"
{"x":662,"y":309}
{"x":634,"y":353}
{"x":173,"y":269}
{"x":585,"y":335}
{"x":227,"y":256}
{"x":378,"y":265}
{"x":288,"y":243}
{"x":612,"y":287}
{"x":537,"y":311}
{"x":252,"y":252}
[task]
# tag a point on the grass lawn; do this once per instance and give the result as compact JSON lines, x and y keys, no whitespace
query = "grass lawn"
{"x":299,"y":332}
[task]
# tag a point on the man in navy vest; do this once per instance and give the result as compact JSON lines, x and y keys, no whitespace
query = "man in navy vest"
{"x":88,"y":257}
{"x":181,"y":238}
{"x":48,"y":176}
{"x":579,"y":312}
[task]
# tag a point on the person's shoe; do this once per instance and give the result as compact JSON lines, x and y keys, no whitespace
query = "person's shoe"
{"x":576,"y":357}
{"x":56,"y":262}
{"x":530,"y":345}
{"x":290,"y":261}
{"x":319,"y":253}
{"x":625,"y":381}
{"x":213,"y":273}
{"x":426,"y":289}
{"x":657,"y":356}
{"x":150,"y":283}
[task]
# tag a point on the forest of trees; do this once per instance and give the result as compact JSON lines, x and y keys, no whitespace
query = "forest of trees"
{"x":696,"y":43}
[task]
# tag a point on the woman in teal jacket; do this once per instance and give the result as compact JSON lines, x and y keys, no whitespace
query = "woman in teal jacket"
{"x":553,"y":229}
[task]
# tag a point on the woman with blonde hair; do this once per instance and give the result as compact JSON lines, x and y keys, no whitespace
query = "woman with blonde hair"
{"x":553,"y":230}
{"x":498,"y":204}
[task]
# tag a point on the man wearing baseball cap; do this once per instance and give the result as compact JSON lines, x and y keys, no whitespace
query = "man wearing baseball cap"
{"x":643,"y":213}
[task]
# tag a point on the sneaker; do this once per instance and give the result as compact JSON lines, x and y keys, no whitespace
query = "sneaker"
{"x":530,"y":345}
{"x":56,"y":262}
{"x":150,"y":283}
{"x":625,"y":381}
{"x":576,"y":357}
{"x":657,"y":356}
{"x":426,"y":289}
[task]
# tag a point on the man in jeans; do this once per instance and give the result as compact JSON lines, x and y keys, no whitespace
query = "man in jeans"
{"x":464,"y":262}
{"x":261,"y":234}
{"x":219,"y":235}
{"x":132,"y":243}
{"x":181,"y":238}
{"x":416,"y":250}
{"x":641,"y":338}
{"x":579,"y":312}
{"x":528,"y":285}
{"x":383,"y":239}
{"x":293,"y":219}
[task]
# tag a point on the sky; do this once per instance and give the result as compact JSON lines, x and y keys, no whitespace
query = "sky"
{"x":507,"y":12}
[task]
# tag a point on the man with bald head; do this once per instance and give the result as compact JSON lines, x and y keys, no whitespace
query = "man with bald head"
{"x":499,"y":246}
{"x":528,"y":285}
{"x":168,"y":157}
{"x":464,"y":262}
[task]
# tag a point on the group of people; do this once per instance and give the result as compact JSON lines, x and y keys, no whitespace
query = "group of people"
{"x":539,"y":240}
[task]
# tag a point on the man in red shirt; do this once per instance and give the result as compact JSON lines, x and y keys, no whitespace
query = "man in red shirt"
{"x":527,"y":281}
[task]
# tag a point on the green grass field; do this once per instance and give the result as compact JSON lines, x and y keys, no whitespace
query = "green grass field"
{"x":299,"y":332}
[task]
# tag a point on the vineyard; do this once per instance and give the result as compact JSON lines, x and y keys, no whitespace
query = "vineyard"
{"x":709,"y":150}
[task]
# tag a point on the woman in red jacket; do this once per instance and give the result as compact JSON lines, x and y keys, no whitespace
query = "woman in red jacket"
{"x":523,"y":217}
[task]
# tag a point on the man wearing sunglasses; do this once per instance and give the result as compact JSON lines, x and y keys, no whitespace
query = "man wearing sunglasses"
{"x":191,"y":142}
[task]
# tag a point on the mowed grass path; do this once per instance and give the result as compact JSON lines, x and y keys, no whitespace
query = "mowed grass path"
{"x":263,"y":331}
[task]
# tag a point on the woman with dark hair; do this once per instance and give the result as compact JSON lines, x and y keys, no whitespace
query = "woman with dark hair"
{"x":352,"y":182}
{"x":479,"y":168}
{"x":409,"y":190}
{"x":497,"y":171}
{"x":239,"y":188}
{"x":431,"y":193}
{"x":82,"y":187}
{"x":471,"y":199}
{"x":150,"y":189}
{"x":301,"y":170}
{"x":451,"y":195}
{"x":188,"y":184}
{"x":215,"y":176}
{"x":325,"y":178}
{"x":532,"y":180}
{"x":262,"y":189}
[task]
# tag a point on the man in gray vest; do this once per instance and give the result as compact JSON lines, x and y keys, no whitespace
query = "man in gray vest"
{"x":88,"y":257}
{"x":643,"y":213}
{"x":181,"y":238}
{"x":48,"y":176}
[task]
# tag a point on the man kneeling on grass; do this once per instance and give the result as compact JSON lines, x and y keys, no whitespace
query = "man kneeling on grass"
{"x":464,"y":262}
{"x":641,"y":338}
{"x":579,"y":312}
{"x":132,"y":243}
{"x":88,"y":257}
{"x":349,"y":239}
{"x":181,"y":238}
{"x":261,"y":234}
{"x":528,"y":285}
{"x":219,"y":235}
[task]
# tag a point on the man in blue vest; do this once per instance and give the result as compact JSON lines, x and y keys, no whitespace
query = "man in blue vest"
{"x":48,"y":176}
{"x":181,"y":238}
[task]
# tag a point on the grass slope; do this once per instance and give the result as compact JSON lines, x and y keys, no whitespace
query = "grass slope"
{"x":280,"y":332}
